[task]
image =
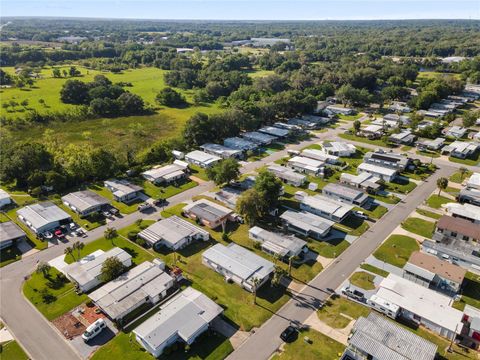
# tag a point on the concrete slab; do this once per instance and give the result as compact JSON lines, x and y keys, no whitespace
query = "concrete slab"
{"x":340,"y":335}
{"x":5,"y":335}
{"x":58,"y":263}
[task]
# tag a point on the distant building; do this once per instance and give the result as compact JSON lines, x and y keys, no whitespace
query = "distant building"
{"x":431,"y":272}
{"x":275,"y":131}
{"x":238,"y":264}
{"x":43,"y":216}
{"x":321,"y":155}
{"x":123,"y":190}
{"x":288,"y":176}
{"x":400,"y":107}
{"x":376,"y":338}
{"x":166,"y":174}
{"x":284,"y":246}
{"x":372,"y":131}
{"x":5,"y":198}
{"x":365,"y":181}
{"x":345,"y":194}
{"x":404,"y":137}
{"x":222,"y":151}
{"x":339,"y":110}
{"x":183,"y":318}
{"x":339,"y":148}
{"x":85,"y":202}
{"x":433,"y":145}
{"x":240,"y":144}
{"x":461,"y":149}
{"x":173,"y":232}
{"x":208,"y":213}
{"x":326,"y":207}
{"x":306,"y":165}
{"x":146,"y":283}
{"x":10,"y":234}
{"x":201,"y":158}
{"x":259,"y":138}
{"x":86,"y":273}
{"x":456,"y":132}
{"x":306,"y":224}
{"x":389,"y":160}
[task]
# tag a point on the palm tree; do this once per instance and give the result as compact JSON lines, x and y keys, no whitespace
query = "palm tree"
{"x":43,"y":268}
{"x":78,"y":246}
{"x":110,"y":233}
{"x":290,"y":261}
{"x":275,"y":258}
{"x":69,"y":251}
{"x":463,"y":171}
{"x":442,"y":184}
{"x":255,"y":282}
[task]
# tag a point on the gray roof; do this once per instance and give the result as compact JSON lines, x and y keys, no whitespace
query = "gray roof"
{"x":417,"y":270}
{"x":274,"y":131}
{"x":171,"y":230}
{"x":41,"y":214}
{"x":385,"y":340}
{"x":10,"y":231}
{"x":307,"y":221}
{"x":202,"y":157}
{"x":277,"y":243}
{"x":183,"y":316}
{"x":327,"y":205}
{"x":286,"y":174}
{"x":131,"y":288}
{"x":239,"y":143}
{"x":239,"y":261}
{"x":207,"y":210}
{"x":344,"y":191}
{"x":122,"y":188}
{"x":259,"y":137}
{"x":164,"y":172}
{"x":84,"y":200}
{"x":380,"y":157}
{"x":220,"y":150}
{"x":88,"y":269}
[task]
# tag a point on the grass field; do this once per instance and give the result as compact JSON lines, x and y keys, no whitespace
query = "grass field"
{"x":436,"y":201}
{"x":363,"y":139}
{"x":430,"y":214}
{"x":396,"y":250}
{"x":331,"y":312}
{"x":12,"y":351}
{"x":419,"y":226}
{"x":363,"y":280}
{"x":374,"y":270}
{"x":458,"y":178}
{"x":329,"y":249}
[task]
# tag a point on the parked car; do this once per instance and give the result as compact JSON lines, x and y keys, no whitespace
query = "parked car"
{"x":59,"y":234}
{"x":72,"y":226}
{"x":79,"y":232}
{"x":288,"y":334}
{"x":144,"y":206}
{"x":114,"y":211}
{"x":361,"y":215}
{"x":94,"y":329}
{"x":353,"y":293}
{"x":106,"y":213}
{"x":47,"y":235}
{"x":159,"y":202}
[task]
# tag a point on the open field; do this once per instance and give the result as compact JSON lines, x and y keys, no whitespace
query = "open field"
{"x":363,"y":280}
{"x":419,"y":226}
{"x":436,"y":201}
{"x":396,"y":250}
{"x":331,"y":312}
{"x":374,"y":269}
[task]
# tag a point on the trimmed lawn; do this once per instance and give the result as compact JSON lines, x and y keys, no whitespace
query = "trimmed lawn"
{"x":428,"y":153}
{"x":9,"y":255}
{"x":375,"y":212}
{"x":400,"y":187}
{"x":363,"y":280}
{"x":353,"y":225}
{"x":319,"y":347}
{"x":122,"y":207}
{"x":419,"y":226}
{"x":60,"y":296}
{"x":374,"y":270}
{"x":329,"y":249}
{"x":390,"y":199}
{"x":12,"y":351}
{"x":363,"y":139}
{"x":472,"y":160}
{"x":350,"y":117}
{"x":471,"y":292}
{"x":330,"y":314}
{"x":124,"y":346}
{"x":430,"y":214}
{"x":436,"y":201}
{"x":198,"y":172}
{"x":164,"y":192}
{"x":456,"y":177}
{"x":396,"y":250}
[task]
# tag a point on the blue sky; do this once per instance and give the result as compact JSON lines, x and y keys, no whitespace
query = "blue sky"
{"x":246,"y":9}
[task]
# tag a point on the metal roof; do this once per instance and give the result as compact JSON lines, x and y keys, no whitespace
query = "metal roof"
{"x":278,"y":243}
{"x":84,"y":200}
{"x":460,"y":226}
{"x":464,"y":210}
{"x":163,"y":172}
{"x":344,"y":191}
{"x":171,"y":230}
{"x":220,"y":150}
{"x":377,"y":169}
{"x":202,"y":157}
{"x":207,"y":210}
{"x":239,"y":261}
{"x":320,"y":155}
{"x":183,"y":316}
{"x":474,"y":181}
{"x":131,"y":288}
{"x":42,"y":214}
{"x":307,"y":221}
{"x":4,"y":195}
{"x":385,"y":340}
{"x":307,"y":163}
{"x":10,"y":231}
{"x":339,"y":146}
{"x":327,"y":205}
{"x":274,"y":131}
{"x":239,"y":143}
{"x":287,"y":174}
{"x":259,"y":137}
{"x":122,"y":188}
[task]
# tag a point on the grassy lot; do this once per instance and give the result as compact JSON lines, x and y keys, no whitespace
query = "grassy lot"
{"x":58,"y":294}
{"x":12,"y":351}
{"x":329,"y":249}
{"x":122,"y":207}
{"x":471,"y":292}
{"x":331,"y":312}
{"x":353,"y":225}
{"x":198,"y":172}
{"x":374,"y":270}
{"x":428,"y":153}
{"x":456,"y":177}
{"x":9,"y":255}
{"x":396,"y":250}
{"x":472,"y":160}
{"x":375,"y":212}
{"x":164,"y":192}
{"x":124,"y":346}
{"x":350,"y":117}
{"x":319,"y":347}
{"x":363,"y":139}
{"x":363,"y":280}
{"x":430,"y":214}
{"x":400,"y":186}
{"x":419,"y":226}
{"x":436,"y":201}
{"x":390,"y":199}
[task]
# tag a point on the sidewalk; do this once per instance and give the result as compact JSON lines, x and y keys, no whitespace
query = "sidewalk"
{"x":372,"y":260}
{"x":340,"y":335}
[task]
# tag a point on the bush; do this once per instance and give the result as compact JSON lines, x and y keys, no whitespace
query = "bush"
{"x":140,"y":241}
{"x":132,"y":235}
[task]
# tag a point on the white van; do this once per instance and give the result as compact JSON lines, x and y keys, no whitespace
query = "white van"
{"x":94,"y":329}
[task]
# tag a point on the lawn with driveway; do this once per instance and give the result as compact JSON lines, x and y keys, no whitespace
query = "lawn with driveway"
{"x":396,"y":250}
{"x":419,"y":226}
{"x":352,"y":225}
{"x":429,"y":214}
{"x":9,"y":255}
{"x":375,"y":211}
{"x":402,"y":186}
{"x":363,"y":279}
{"x":328,"y":248}
{"x":436,"y":201}
{"x":12,"y":351}
{"x":331,"y":312}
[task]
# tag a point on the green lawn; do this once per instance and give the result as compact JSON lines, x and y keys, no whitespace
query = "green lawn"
{"x":472,"y":160}
{"x":61,"y":294}
{"x":374,"y":270}
{"x":458,"y":178}
{"x":363,"y":139}
{"x":363,"y":280}
{"x":396,"y":250}
{"x":390,"y":199}
{"x":12,"y":351}
{"x":9,"y":255}
{"x":419,"y":226}
{"x":436,"y":201}
{"x":122,"y":207}
{"x":400,"y":186}
{"x":375,"y":212}
{"x":89,"y":222}
{"x":353,"y":225}
{"x":319,"y":347}
{"x":198,"y":172}
{"x":428,"y":153}
{"x":329,"y":249}
{"x":471,"y":292}
{"x":124,"y":346}
{"x":350,"y":117}
{"x":430,"y":214}
{"x":330,"y":314}
{"x":164,"y":192}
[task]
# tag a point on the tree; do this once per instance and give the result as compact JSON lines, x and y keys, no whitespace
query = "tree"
{"x":255,"y":283}
{"x":356,"y":125}
{"x":224,"y":171}
{"x":469,"y":118}
{"x":112,"y":267}
{"x":250,"y":206}
{"x":290,"y":262}
{"x":442,"y":184}
{"x":269,"y":188}
{"x":43,"y":268}
{"x":78,"y":245}
{"x":74,"y":92}
{"x":278,"y":274}
{"x":69,"y":251}
{"x":130,"y":104}
{"x":463,"y":171}
{"x":110,"y":233}
{"x":56,"y":73}
{"x":73,"y":71}
{"x":169,"y":97}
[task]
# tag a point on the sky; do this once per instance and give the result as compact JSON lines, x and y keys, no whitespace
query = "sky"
{"x":246,"y":9}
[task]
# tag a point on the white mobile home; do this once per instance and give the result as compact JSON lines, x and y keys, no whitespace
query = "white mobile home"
{"x":43,"y":216}
{"x":201,"y":158}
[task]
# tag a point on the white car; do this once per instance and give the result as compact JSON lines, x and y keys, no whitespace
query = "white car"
{"x":94,"y":329}
{"x":361,"y":215}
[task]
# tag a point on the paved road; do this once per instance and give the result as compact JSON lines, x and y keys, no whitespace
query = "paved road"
{"x":266,"y":340}
{"x":33,"y":331}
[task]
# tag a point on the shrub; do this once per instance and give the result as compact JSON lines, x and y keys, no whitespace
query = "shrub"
{"x":140,"y":241}
{"x":132,"y":235}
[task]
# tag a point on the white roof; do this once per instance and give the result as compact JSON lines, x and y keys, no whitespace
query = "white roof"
{"x":360,"y":178}
{"x":122,"y":187}
{"x":285,"y":173}
{"x":377,"y":169}
{"x":319,"y":155}
{"x":239,"y":261}
{"x":42,"y":214}
{"x":307,"y":221}
{"x":163,"y":171}
{"x":461,"y":146}
{"x":307,"y":163}
{"x":171,"y":230}
{"x":373,"y":128}
{"x":131,"y":288}
{"x":208,"y":210}
{"x":220,"y":150}
{"x":456,"y":131}
{"x":327,"y":205}
{"x":202,"y":157}
{"x":464,"y":210}
{"x":277,"y":243}
{"x":422,"y":301}
{"x":339,"y":146}
{"x":4,"y":195}
{"x":183,"y":316}
{"x":474,"y":181}
{"x":90,"y":267}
